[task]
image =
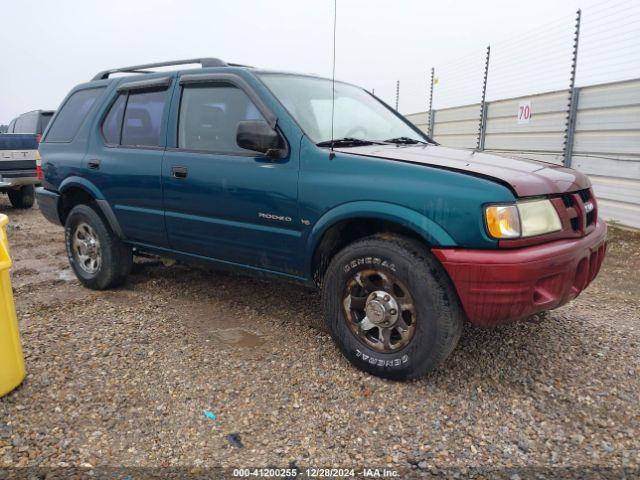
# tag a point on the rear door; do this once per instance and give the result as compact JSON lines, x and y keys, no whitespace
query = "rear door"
{"x":126,"y":159}
{"x":221,"y":201}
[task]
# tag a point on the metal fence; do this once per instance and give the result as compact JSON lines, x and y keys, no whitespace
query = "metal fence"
{"x":605,"y":146}
{"x":543,"y":95}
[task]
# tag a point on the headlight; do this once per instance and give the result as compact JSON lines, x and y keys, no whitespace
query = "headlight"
{"x":526,"y":218}
{"x":538,"y":217}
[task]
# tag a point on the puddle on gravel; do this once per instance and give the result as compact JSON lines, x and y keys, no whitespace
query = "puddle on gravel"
{"x":237,"y":337}
{"x":32,"y":271}
{"x":220,"y":328}
{"x":66,"y":275}
{"x":122,"y":297}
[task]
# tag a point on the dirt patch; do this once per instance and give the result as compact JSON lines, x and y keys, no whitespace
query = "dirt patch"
{"x":620,"y":275}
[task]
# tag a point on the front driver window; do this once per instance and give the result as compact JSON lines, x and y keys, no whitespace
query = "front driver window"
{"x":209,"y":117}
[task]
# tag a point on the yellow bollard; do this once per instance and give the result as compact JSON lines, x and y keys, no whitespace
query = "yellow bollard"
{"x":12,"y":369}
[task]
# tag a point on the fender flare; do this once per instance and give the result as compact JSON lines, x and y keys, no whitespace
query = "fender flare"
{"x":101,"y":202}
{"x":83,"y":183}
{"x":433,"y":234}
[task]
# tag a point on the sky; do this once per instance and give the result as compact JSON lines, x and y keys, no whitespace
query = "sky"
{"x":47,"y":47}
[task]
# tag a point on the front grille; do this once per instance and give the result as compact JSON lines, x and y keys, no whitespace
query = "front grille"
{"x":576,"y":205}
{"x":567,"y":199}
{"x":587,"y":198}
{"x":584,"y":195}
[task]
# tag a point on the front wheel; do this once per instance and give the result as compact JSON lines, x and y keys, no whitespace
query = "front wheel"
{"x":22,"y":197}
{"x":391,"y":307}
{"x":97,"y":256}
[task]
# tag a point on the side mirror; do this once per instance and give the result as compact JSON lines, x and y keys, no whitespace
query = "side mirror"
{"x":258,"y":136}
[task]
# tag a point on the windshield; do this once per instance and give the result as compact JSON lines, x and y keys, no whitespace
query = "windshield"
{"x":358,"y":115}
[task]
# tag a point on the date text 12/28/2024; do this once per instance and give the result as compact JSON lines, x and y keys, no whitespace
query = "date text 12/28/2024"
{"x":316,"y":473}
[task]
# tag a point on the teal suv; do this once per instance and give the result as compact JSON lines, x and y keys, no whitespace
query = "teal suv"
{"x":294,"y":177}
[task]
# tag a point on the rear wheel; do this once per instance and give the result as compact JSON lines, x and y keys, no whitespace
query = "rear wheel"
{"x":98,"y":257}
{"x":391,"y":308}
{"x":22,"y":197}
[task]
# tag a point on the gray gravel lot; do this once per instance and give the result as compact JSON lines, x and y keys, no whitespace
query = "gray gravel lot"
{"x":121,"y":378}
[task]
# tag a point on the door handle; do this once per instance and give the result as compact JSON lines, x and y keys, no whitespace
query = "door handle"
{"x":179,"y":172}
{"x":93,"y":164}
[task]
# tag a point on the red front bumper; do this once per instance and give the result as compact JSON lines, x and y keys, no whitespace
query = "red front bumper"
{"x":500,"y":286}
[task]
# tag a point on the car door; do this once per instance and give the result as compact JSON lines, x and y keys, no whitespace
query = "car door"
{"x":221,"y":201}
{"x":125,"y":161}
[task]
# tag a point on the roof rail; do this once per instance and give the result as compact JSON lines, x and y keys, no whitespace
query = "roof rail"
{"x":204,"y":62}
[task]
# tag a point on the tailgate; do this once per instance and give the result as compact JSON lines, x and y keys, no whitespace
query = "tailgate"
{"x":17,"y":153}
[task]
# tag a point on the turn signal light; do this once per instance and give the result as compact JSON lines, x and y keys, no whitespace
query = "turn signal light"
{"x":503,"y":221}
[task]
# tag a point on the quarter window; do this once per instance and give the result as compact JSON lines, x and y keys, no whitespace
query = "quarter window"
{"x":209,"y":117}
{"x":72,"y":114}
{"x":112,"y":126}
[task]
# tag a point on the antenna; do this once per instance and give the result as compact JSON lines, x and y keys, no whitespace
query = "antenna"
{"x":333,"y":76}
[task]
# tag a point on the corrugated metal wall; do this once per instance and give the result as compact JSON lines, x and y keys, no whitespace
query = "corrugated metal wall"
{"x":606,"y":143}
{"x":607,"y":147}
{"x":542,"y":137}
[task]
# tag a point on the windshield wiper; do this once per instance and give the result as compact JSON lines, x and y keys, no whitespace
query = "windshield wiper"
{"x":404,"y":141}
{"x":347,"y":142}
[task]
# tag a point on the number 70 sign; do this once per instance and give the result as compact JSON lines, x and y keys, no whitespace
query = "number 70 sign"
{"x":524,"y":112}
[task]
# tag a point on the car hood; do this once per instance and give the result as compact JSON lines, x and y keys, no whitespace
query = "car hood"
{"x":525,"y":177}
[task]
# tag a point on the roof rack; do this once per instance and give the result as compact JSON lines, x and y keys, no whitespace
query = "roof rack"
{"x":204,"y":62}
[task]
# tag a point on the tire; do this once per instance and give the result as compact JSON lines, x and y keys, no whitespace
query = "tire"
{"x":111,"y":266}
{"x":424,"y":297}
{"x":23,"y":197}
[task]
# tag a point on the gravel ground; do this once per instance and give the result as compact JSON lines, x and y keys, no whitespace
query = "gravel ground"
{"x":121,"y":378}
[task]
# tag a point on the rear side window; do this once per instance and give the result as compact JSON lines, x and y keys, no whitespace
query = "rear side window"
{"x":72,"y":114}
{"x":135,"y":119}
{"x":27,"y":123}
{"x":209,"y":117}
{"x":143,"y":118}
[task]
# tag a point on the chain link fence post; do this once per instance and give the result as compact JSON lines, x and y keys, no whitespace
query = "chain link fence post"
{"x":483,"y":106}
{"x":574,"y":93}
